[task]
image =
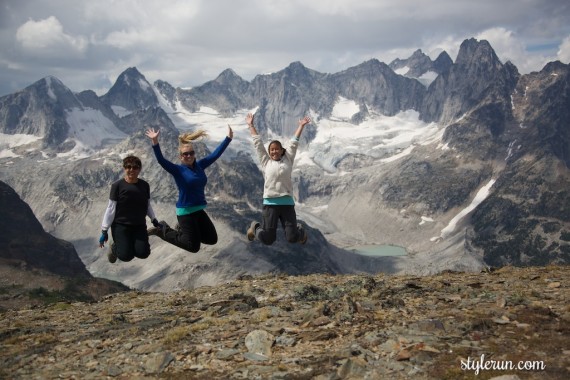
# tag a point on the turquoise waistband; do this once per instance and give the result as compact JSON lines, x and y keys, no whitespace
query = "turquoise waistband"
{"x":285,"y":200}
{"x":188,"y":210}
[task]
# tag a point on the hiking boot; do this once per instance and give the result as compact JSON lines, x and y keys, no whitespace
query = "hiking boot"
{"x":251,"y":230}
{"x":112,"y":254}
{"x":157,"y":231}
{"x":303,"y":238}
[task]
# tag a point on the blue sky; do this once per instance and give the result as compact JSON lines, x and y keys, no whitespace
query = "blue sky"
{"x":87,"y":44}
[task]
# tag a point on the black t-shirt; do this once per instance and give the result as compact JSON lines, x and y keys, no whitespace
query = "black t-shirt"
{"x":132,"y":201}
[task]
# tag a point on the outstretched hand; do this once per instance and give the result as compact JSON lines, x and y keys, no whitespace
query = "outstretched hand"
{"x":304,"y":121}
{"x":230,"y":132}
{"x":153,"y":135}
{"x":249,"y":119}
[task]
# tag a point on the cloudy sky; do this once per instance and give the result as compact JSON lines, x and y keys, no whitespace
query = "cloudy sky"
{"x":88,"y":43}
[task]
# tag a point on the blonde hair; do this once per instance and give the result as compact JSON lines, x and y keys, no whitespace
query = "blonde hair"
{"x":187,"y":138}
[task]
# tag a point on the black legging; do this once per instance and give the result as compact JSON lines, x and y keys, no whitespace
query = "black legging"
{"x":130,"y":241}
{"x":267,"y":233}
{"x":194,"y":229}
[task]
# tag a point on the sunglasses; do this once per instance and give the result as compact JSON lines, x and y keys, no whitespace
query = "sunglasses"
{"x":188,"y":154}
{"x":133,"y":167}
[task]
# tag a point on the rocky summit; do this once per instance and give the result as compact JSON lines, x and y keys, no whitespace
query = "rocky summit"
{"x":510,"y":323}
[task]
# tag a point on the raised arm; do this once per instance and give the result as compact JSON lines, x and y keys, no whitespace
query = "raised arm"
{"x":167,"y":165}
{"x":153,"y":135}
{"x":249,"y":121}
{"x":257,"y":143}
{"x":212,"y":157}
{"x":304,"y":121}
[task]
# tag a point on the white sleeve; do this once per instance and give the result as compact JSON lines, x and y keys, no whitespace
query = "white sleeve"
{"x":261,"y":152}
{"x":291,"y":148}
{"x":150,"y":212}
{"x":109,"y":215}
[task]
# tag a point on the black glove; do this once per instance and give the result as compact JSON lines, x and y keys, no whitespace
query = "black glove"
{"x":103,"y":238}
{"x":157,"y":224}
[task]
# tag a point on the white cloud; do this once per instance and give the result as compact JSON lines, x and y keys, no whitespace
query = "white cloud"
{"x":87,"y":44}
{"x":47,"y":38}
{"x":564,"y":51}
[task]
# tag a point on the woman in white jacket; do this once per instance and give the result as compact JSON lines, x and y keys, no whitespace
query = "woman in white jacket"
{"x":278,"y":202}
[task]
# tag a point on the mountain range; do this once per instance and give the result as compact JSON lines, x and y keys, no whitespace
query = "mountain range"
{"x":464,"y":164}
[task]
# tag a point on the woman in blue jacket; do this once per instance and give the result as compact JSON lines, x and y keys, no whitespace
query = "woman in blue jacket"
{"x":194,"y":225}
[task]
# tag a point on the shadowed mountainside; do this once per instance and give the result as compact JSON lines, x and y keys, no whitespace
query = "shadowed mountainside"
{"x":36,"y":267}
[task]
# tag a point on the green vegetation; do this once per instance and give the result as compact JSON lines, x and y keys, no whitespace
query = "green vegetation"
{"x":73,"y":291}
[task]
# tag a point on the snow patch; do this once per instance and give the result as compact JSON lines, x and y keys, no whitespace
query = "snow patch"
{"x":402,"y":70}
{"x":9,"y":142}
{"x":510,"y":149}
{"x":479,"y":197}
{"x":120,"y":111}
{"x":344,"y":109}
{"x":144,"y":85}
{"x":383,"y":137}
{"x":91,"y":127}
{"x":427,"y":78}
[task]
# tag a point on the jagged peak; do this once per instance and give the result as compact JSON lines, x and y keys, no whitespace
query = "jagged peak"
{"x":511,"y":67}
{"x":159,"y":83}
{"x":443,"y":62}
{"x":418,"y":54}
{"x":48,"y":81}
{"x":296,"y":65}
{"x":52,"y":85}
{"x":55,"y":83}
{"x":443,"y":56}
{"x":374,"y":64}
{"x":371,"y":62}
{"x":131,"y":71}
{"x":555,"y":66}
{"x":473,"y":49}
{"x":227,"y":75}
{"x":133,"y":77}
{"x":53,"y":79}
{"x":129,"y":74}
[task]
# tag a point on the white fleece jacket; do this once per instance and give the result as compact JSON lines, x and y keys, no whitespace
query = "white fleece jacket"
{"x":277,"y":174}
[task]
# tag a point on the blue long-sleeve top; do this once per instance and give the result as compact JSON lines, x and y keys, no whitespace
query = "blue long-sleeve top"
{"x":191,"y":181}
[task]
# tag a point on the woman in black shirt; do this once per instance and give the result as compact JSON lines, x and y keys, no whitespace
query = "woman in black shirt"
{"x":129,"y":204}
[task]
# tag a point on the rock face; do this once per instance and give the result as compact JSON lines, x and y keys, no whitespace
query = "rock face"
{"x":476,"y":82}
{"x":131,"y":91}
{"x":448,"y":326}
{"x":419,"y":64}
{"x":38,"y":110}
{"x":526,"y":222}
{"x":22,"y":238}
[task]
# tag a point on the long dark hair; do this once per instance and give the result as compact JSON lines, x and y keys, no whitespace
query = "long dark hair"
{"x":278,"y":143}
